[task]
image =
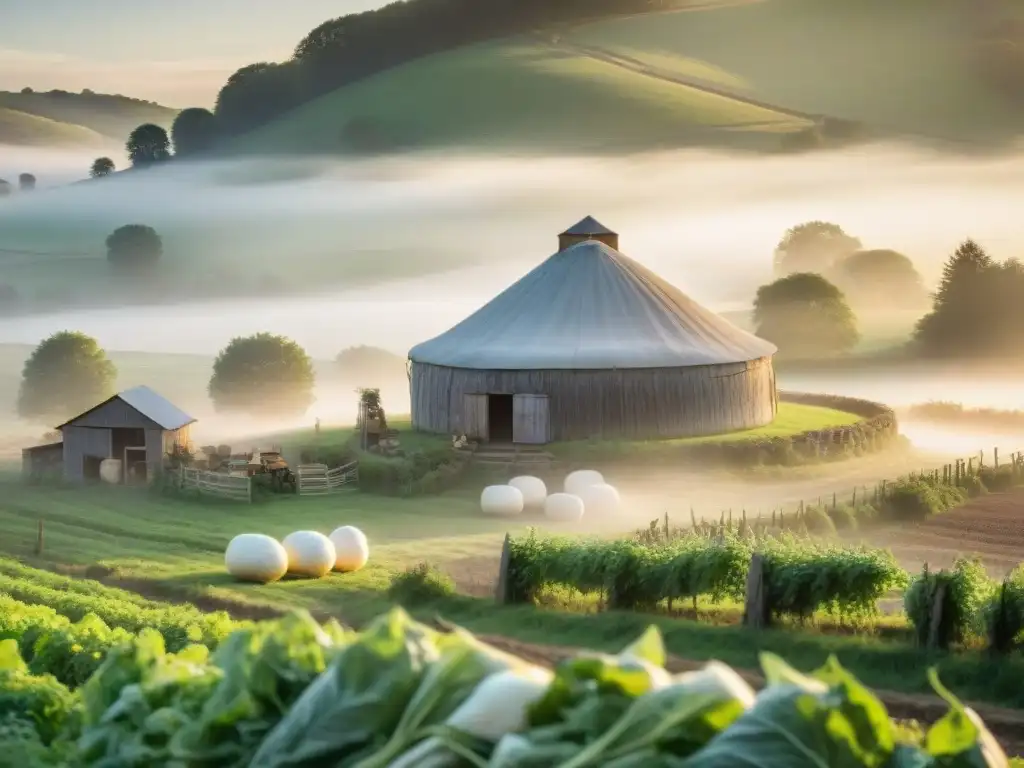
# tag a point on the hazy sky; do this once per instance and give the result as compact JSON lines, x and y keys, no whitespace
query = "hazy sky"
{"x":178,"y":53}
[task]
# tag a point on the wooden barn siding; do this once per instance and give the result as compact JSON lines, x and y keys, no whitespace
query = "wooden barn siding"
{"x":43,"y":460}
{"x":116,"y":413}
{"x":634,"y":403}
{"x":80,"y":442}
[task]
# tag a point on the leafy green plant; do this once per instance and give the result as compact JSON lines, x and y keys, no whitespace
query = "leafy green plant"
{"x":968,"y":592}
{"x":1004,"y":614}
{"x":420,"y":583}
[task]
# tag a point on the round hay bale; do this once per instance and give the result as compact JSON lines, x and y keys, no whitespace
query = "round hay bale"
{"x":564,"y":507}
{"x":351,"y":548}
{"x":110,"y":471}
{"x":533,"y":489}
{"x":255,"y":557}
{"x":309,"y":553}
{"x":501,"y":500}
{"x":601,"y":499}
{"x":580,"y":479}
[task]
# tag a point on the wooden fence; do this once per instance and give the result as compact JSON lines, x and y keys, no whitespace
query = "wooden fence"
{"x":318,"y":480}
{"x":232,"y":487}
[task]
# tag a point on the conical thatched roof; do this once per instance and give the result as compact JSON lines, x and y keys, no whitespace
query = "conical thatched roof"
{"x":590,"y":307}
{"x":588,"y":226}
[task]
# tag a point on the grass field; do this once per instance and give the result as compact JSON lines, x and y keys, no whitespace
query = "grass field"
{"x":735,"y":75}
{"x":521,"y":94}
{"x":74,"y":119}
{"x":901,"y":67}
{"x":24,"y":129}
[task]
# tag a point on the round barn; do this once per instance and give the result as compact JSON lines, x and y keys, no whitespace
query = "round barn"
{"x":591,"y":345}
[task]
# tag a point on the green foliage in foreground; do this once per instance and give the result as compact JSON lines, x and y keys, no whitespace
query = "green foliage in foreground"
{"x":400,"y":694}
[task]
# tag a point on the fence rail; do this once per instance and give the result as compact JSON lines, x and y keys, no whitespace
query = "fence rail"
{"x":232,"y":487}
{"x":318,"y":480}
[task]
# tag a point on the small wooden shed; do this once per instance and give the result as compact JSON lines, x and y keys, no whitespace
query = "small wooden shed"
{"x":138,"y":427}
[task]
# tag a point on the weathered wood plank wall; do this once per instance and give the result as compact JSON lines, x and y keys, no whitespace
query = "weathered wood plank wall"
{"x":628,"y":403}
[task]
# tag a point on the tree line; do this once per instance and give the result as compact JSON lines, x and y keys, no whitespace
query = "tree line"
{"x":263,"y":374}
{"x":824,"y":276}
{"x":26,"y":183}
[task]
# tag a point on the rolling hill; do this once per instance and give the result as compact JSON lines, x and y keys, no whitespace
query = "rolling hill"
{"x":23,"y":129}
{"x":60,"y":118}
{"x":738,"y":74}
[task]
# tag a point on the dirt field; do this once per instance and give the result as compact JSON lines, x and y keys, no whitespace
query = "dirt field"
{"x":990,"y":526}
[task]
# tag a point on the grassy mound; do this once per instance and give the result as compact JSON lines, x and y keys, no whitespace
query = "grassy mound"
{"x":23,"y":129}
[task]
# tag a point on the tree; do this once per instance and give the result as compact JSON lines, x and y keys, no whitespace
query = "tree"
{"x":976,"y":297}
{"x":5,"y":188}
{"x":148,"y":144}
{"x":26,"y":182}
{"x":194,"y":130}
{"x":101,"y":166}
{"x":256,"y":94}
{"x":66,"y":374}
{"x":134,"y":247}
{"x":262,"y":374}
{"x":813,"y":247}
{"x":804,"y":315}
{"x":881,"y":277}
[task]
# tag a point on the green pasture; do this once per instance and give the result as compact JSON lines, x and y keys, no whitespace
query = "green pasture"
{"x":899,"y":66}
{"x":521,"y":94}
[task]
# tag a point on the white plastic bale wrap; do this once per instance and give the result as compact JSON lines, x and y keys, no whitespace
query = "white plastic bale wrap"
{"x":601,"y":499}
{"x":501,"y":500}
{"x":255,"y":557}
{"x":351,"y":548}
{"x":564,"y":507}
{"x":576,"y":481}
{"x":309,"y":553}
{"x":533,"y":489}
{"x":110,"y":471}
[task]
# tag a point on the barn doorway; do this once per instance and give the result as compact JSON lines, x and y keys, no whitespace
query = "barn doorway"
{"x":91,"y":467}
{"x":135,"y":469}
{"x":499,"y":418}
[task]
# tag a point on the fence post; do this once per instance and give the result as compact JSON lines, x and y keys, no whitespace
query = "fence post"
{"x":995,"y":457}
{"x":998,"y":641}
{"x":935,"y":625}
{"x":501,"y":592}
{"x":39,"y":539}
{"x":755,"y":610}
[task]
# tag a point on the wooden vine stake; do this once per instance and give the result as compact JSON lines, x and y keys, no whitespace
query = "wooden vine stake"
{"x":501,"y":592}
{"x":755,"y":611}
{"x":39,"y":539}
{"x":935,"y":624}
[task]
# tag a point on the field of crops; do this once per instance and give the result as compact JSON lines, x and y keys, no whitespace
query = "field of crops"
{"x":291,"y":692}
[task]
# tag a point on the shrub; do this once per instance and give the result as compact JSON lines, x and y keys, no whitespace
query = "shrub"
{"x":843,"y":517}
{"x":964,"y":608}
{"x":420,"y":583}
{"x":997,"y":479}
{"x":910,"y":500}
{"x":818,"y":522}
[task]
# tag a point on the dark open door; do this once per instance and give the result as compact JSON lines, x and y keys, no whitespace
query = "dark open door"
{"x":530,"y":420}
{"x":474,"y":417}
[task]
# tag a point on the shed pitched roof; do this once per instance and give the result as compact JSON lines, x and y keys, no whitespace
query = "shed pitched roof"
{"x":590,"y":307}
{"x":150,"y":404}
{"x":588,"y":226}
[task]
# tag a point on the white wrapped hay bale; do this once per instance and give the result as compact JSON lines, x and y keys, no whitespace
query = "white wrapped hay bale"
{"x":564,"y":507}
{"x":501,"y":500}
{"x":576,"y":481}
{"x":351,"y":548}
{"x":533,"y":489}
{"x":309,"y":553}
{"x":601,"y":499}
{"x":110,"y":471}
{"x":255,"y":557}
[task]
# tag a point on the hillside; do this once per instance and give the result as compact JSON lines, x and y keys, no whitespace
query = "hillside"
{"x":75,"y":118}
{"x":737,"y":74}
{"x":23,"y":129}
